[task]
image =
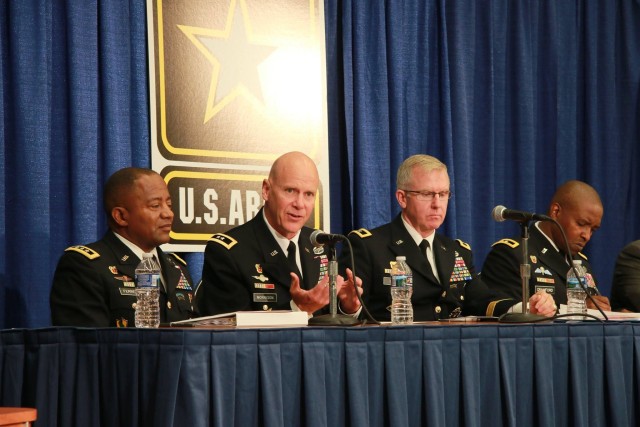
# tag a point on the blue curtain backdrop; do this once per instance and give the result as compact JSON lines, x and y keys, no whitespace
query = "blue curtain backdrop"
{"x":515,"y":96}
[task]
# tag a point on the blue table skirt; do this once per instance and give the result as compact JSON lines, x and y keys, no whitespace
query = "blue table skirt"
{"x":584,"y":374}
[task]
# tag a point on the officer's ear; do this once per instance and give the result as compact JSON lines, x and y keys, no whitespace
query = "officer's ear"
{"x":120,"y":216}
{"x":554,"y":210}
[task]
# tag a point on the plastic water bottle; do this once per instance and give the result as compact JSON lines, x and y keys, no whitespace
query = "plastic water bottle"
{"x":401,"y":290}
{"x":576,"y":295}
{"x":147,"y":292}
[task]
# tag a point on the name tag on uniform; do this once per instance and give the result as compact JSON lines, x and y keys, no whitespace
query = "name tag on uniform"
{"x":127,"y":291}
{"x":547,"y":289}
{"x":265,"y":297}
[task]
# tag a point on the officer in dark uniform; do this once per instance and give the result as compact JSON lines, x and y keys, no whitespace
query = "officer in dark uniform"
{"x":93,"y":285}
{"x":576,"y":206}
{"x":258,"y":265}
{"x":246,"y":269}
{"x":445,"y":283}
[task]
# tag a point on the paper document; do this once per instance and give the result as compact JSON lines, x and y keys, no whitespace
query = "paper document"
{"x":250,"y":318}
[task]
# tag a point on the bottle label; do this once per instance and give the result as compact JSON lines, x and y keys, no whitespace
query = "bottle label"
{"x":401,"y":281}
{"x":572,"y":282}
{"x":148,"y":280}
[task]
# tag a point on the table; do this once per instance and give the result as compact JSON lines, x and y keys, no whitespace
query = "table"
{"x":16,"y":417}
{"x":440,"y":375}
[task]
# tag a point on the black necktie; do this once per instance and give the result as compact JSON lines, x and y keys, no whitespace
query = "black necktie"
{"x":291,"y":256}
{"x":424,"y":245}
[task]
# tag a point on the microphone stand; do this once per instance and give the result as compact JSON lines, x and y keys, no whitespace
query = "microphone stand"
{"x":333,"y":318}
{"x":525,"y":273}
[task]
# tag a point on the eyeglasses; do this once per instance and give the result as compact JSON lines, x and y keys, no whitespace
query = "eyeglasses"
{"x":427,"y":196}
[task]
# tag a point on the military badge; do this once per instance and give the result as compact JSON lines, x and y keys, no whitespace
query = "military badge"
{"x":460,"y":271}
{"x":113,"y":269}
{"x":542,"y":270}
{"x":534,"y":259}
{"x":261,"y":277}
{"x":258,"y":268}
{"x":183,"y":283}
{"x":84,"y":250}
{"x":362,"y":233}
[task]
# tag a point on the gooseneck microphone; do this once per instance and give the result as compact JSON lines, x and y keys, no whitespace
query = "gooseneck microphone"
{"x":320,"y":238}
{"x":500,"y":213}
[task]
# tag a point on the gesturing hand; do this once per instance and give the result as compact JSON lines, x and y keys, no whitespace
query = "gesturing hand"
{"x":313,"y":299}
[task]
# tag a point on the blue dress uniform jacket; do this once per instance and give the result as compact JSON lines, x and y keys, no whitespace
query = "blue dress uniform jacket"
{"x":501,"y":269}
{"x":94,"y":286}
{"x":245,"y":269}
{"x":460,"y":292}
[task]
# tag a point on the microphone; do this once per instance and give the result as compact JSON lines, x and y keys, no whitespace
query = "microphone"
{"x":500,"y":213}
{"x":320,"y":238}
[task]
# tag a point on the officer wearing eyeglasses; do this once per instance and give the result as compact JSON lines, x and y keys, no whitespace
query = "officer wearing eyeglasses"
{"x":445,"y":283}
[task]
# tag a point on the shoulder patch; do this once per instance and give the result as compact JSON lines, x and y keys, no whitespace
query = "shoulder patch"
{"x":583,"y":256}
{"x":84,"y":250}
{"x":509,"y":242}
{"x":463,"y":244}
{"x":362,"y":233}
{"x":178,"y":259}
{"x":224,"y":240}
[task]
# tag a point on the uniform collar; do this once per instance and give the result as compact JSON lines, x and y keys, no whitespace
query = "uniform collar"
{"x":283,"y":242}
{"x":134,"y":248}
{"x":415,"y":235}
{"x":537,"y":225}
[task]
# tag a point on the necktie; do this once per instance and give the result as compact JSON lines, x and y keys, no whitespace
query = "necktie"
{"x":424,"y":245}
{"x":291,"y":256}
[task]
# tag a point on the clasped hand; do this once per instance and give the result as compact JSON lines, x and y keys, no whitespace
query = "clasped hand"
{"x":316,"y":298}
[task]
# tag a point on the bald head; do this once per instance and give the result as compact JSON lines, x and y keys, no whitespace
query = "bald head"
{"x":575,"y":193}
{"x":290,"y":192}
{"x":577,"y":207}
{"x":293,"y":162}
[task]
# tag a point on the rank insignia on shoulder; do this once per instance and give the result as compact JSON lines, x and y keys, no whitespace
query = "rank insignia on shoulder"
{"x":583,"y":256}
{"x":463,"y":244}
{"x":179,"y":259}
{"x":362,"y":233}
{"x":84,"y":250}
{"x":509,"y":242}
{"x":224,"y":240}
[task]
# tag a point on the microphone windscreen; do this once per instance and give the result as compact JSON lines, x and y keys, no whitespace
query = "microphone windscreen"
{"x":497,"y":213}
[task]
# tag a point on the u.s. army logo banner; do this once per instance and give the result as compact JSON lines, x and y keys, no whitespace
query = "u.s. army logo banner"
{"x":234,"y":84}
